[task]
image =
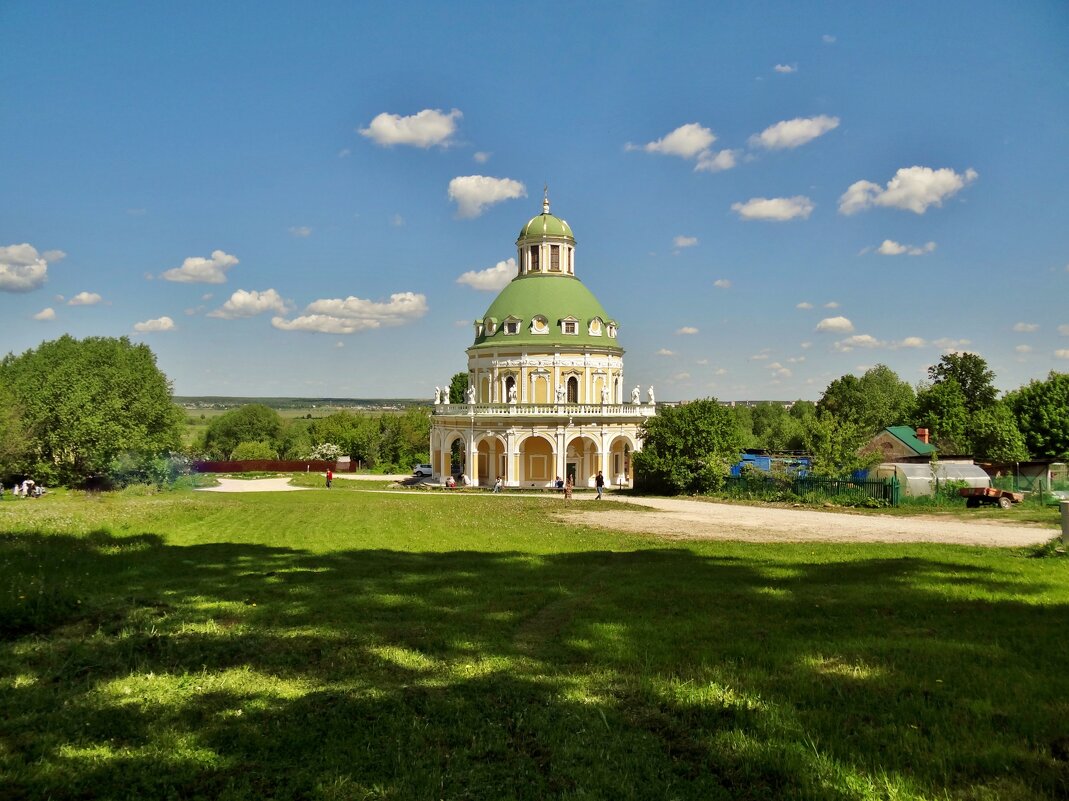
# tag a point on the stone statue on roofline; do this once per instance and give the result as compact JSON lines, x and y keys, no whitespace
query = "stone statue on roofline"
{"x":634,"y":395}
{"x":471,"y":395}
{"x":437,"y":396}
{"x":445,"y":395}
{"x":649,"y":394}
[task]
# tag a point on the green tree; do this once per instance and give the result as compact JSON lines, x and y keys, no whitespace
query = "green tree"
{"x":252,"y":422}
{"x":875,"y":401}
{"x":86,"y":403}
{"x":973,"y":376}
{"x":837,"y":446}
{"x":994,"y":435}
{"x":941,"y":409}
{"x":15,"y":444}
{"x":458,"y":388}
{"x":254,"y":451}
{"x":687,"y":449}
{"x":1042,"y":412}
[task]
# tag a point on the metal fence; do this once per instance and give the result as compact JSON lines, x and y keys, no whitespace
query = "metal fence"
{"x":882,"y":490}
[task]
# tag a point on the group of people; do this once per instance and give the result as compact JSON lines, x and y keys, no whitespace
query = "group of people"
{"x":27,"y":489}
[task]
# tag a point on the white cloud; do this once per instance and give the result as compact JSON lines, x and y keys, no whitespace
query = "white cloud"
{"x":492,"y":278}
{"x":793,"y":133}
{"x":716,"y":161}
{"x":52,"y":256}
{"x":795,"y":359}
{"x":720,"y":371}
{"x":947,"y":343}
{"x":777,"y":208}
{"x":858,"y":341}
{"x":1025,"y":328}
{"x":1023,"y":349}
{"x":685,"y":241}
{"x":22,"y":268}
{"x":1063,"y":330}
{"x":424,"y":129}
{"x":159,"y":324}
{"x":828,"y":39}
{"x":912,"y":188}
{"x":46,"y":314}
{"x":687,"y":329}
{"x":805,"y":304}
{"x":344,"y":153}
{"x":891,"y":248}
{"x":198,"y":270}
{"x":1062,"y":354}
{"x":85,"y":299}
{"x":397,"y":221}
{"x":249,"y":304}
{"x":839,"y":325}
{"x":339,"y":344}
{"x":473,"y":193}
{"x":912,"y":342}
{"x":703,"y":362}
{"x":786,"y":69}
{"x":666,"y":352}
{"x":481,"y":157}
{"x":300,"y":231}
{"x":681,"y":377}
{"x":831,"y":304}
{"x":348,"y":316}
{"x":805,"y":345}
{"x":760,"y":357}
{"x":686,"y":141}
{"x":722,"y":283}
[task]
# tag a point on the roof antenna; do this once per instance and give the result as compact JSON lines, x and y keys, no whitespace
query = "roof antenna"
{"x":545,"y":199}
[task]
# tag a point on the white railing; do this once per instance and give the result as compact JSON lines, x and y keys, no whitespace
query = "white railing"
{"x":542,"y":409}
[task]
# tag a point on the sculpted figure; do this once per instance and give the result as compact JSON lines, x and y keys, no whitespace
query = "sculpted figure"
{"x":471,"y":395}
{"x":560,"y":394}
{"x":604,"y":395}
{"x":649,"y":394}
{"x":437,"y":396}
{"x":512,"y":394}
{"x":634,"y":395}
{"x":445,"y":395}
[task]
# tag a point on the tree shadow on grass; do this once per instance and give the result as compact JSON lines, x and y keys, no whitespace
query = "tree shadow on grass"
{"x":130,"y":668}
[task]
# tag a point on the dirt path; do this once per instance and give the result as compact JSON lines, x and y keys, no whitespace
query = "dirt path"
{"x":682,"y":519}
{"x":698,"y":520}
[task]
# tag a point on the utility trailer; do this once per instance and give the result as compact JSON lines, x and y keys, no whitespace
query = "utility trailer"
{"x":975,"y":496}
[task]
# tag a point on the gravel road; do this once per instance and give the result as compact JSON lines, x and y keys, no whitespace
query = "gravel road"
{"x":698,"y":520}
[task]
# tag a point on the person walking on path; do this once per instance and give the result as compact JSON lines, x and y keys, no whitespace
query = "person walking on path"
{"x":330,"y":477}
{"x":599,"y":482}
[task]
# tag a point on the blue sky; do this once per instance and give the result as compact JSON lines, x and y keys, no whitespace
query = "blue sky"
{"x":285,"y":199}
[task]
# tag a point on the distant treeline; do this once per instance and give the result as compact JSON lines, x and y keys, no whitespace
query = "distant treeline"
{"x":226,"y":402}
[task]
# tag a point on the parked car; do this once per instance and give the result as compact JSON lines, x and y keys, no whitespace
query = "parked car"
{"x":422,"y":470}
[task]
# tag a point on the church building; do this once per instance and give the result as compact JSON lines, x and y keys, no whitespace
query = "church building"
{"x":546,"y":395}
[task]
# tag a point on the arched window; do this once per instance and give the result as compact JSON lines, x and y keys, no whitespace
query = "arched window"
{"x":573,"y":390}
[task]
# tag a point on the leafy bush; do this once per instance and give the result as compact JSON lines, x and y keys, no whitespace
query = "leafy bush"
{"x":254,"y":450}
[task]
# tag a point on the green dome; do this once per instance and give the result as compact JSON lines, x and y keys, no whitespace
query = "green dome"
{"x":546,"y":225}
{"x":553,"y":298}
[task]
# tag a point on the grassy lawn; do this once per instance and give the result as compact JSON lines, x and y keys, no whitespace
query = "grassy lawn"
{"x":354,"y":645}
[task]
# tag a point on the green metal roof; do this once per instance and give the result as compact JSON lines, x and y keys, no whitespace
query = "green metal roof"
{"x":546,"y":225}
{"x":909,"y":437}
{"x":555,"y":298}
